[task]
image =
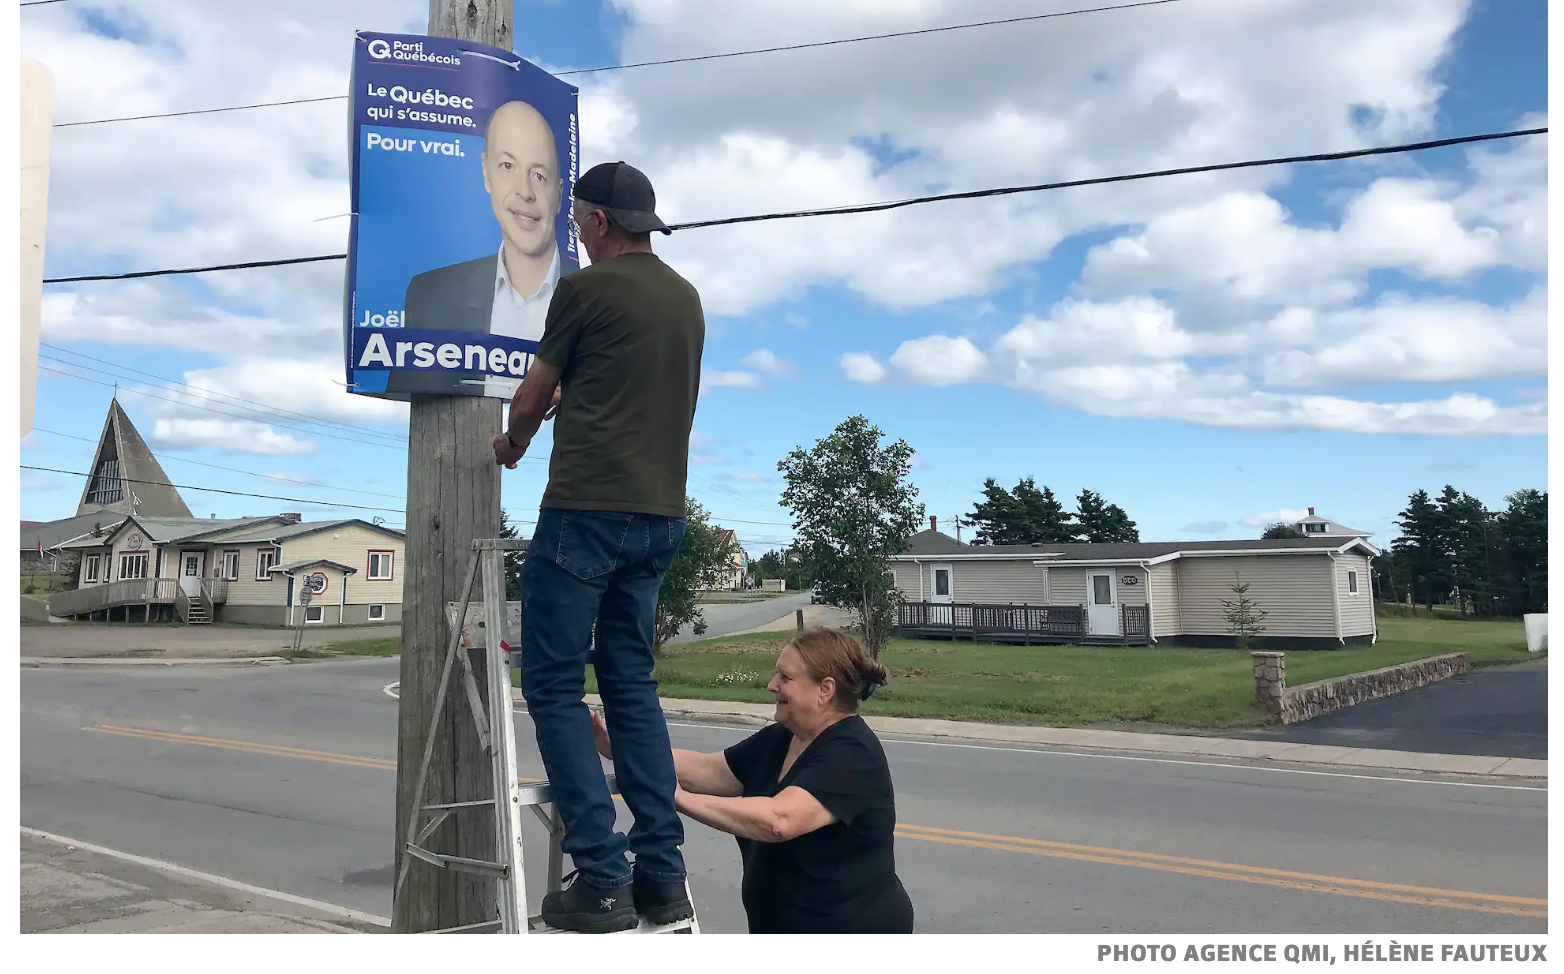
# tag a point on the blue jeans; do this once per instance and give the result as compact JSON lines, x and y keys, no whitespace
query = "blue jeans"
{"x":604,"y":567}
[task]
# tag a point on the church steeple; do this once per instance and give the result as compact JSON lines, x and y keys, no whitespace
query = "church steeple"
{"x":125,"y":477}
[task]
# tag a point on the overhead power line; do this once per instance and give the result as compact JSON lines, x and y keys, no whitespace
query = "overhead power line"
{"x":1104,"y":180}
{"x":666,"y":61}
{"x":166,"y":458}
{"x":918,"y":200}
{"x":234,"y":493}
{"x":208,"y":393}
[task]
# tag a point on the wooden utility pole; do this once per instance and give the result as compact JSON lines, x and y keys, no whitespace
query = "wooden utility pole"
{"x":453,"y":497}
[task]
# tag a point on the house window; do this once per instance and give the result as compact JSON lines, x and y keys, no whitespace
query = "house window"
{"x":265,"y":560}
{"x":1315,"y":528}
{"x":941,"y":582}
{"x":231,"y":565}
{"x":1352,"y":583}
{"x":133,"y":565}
{"x":377,"y":613}
{"x":380,"y":564}
{"x":89,"y":569}
{"x":314,"y":613}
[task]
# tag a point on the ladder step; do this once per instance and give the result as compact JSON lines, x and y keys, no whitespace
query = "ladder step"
{"x":459,"y":864}
{"x":536,"y":925}
{"x":446,"y":806}
{"x":488,"y":926}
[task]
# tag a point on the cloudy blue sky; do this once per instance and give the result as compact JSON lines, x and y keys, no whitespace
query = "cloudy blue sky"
{"x":1206,"y":351}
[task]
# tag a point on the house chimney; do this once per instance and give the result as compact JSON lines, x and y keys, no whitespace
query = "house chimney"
{"x":1311,"y":512}
{"x":933,"y":523}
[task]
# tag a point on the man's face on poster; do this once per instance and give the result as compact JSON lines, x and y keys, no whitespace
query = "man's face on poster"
{"x":521,"y":173}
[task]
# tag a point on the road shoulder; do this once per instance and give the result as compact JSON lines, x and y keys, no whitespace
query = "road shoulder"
{"x":1288,"y":752}
{"x":73,"y":887}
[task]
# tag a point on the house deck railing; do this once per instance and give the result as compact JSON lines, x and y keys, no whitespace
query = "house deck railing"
{"x":1019,"y":623}
{"x":96,"y":598}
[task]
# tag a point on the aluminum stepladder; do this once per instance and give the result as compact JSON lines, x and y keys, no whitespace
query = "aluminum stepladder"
{"x":496,"y":730}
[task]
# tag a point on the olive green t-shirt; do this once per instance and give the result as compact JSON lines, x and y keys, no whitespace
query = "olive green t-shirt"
{"x":627,"y":337}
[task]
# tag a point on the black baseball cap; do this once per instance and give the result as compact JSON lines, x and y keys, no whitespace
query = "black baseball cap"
{"x":624,"y":193}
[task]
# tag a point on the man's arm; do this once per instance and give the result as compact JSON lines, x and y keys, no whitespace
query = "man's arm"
{"x":533,"y":403}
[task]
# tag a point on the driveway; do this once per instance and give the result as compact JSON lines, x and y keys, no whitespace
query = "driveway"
{"x":1501,"y":711}
{"x":85,"y":640}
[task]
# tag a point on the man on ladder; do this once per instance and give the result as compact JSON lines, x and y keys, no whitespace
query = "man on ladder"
{"x":620,"y":365}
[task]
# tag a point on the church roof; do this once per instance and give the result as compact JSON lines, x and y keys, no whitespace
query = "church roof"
{"x":125,"y":477}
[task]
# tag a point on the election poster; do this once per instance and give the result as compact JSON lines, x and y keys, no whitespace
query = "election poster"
{"x":463,"y":159}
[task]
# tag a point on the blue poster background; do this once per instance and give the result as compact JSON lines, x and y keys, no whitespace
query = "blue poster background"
{"x":420,"y":207}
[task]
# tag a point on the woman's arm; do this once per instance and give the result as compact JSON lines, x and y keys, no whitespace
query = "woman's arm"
{"x":705,"y":774}
{"x":788,"y":815}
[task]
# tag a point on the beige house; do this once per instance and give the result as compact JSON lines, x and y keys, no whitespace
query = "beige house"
{"x":1315,"y":591}
{"x":253,"y":570}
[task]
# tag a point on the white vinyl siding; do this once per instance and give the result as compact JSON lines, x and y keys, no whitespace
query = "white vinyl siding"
{"x":1162,"y":585}
{"x":1294,"y":590}
{"x":247,"y":589}
{"x":1066,"y":585}
{"x":1357,"y":611}
{"x":999,"y":582}
{"x":906,"y":574}
{"x":351,"y":545}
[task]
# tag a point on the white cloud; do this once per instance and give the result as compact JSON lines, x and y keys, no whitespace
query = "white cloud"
{"x":862,"y":367}
{"x":1287,"y":515}
{"x":240,"y":436}
{"x":767,"y":362}
{"x":939,"y":360}
{"x":728,"y":380}
{"x":1206,"y":527}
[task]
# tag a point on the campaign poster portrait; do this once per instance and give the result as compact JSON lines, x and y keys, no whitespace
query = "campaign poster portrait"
{"x":462,"y":163}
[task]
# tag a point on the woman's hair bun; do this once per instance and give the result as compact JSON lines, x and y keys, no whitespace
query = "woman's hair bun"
{"x":872,"y":675}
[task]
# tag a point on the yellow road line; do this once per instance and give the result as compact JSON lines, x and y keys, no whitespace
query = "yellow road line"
{"x":1447,"y":899}
{"x":1519,"y":906}
{"x":1228,"y":866}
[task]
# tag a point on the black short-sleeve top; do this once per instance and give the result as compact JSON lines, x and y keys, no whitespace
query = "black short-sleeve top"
{"x":836,"y":879}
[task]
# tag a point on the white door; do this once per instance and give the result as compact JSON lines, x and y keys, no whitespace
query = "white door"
{"x":1102,"y":605}
{"x":190,"y":572}
{"x":940,"y":586}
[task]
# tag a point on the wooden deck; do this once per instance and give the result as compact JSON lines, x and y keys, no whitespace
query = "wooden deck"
{"x":1030,"y":625}
{"x":147,"y":593}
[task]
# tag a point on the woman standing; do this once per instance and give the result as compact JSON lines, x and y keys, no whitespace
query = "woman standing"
{"x":809,"y":798}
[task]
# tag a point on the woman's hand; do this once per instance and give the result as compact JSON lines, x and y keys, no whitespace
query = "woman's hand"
{"x":600,"y":735}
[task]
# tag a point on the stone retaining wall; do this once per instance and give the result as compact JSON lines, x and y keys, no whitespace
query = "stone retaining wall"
{"x":1291,"y":705}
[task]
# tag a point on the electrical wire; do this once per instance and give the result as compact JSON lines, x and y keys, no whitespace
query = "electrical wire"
{"x":165,"y":458}
{"x":940,"y":198}
{"x":666,"y":61}
{"x":234,"y":493}
{"x":348,"y":427}
{"x":219,"y":412}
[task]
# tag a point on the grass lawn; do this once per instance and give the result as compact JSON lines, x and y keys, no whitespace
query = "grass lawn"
{"x":390,"y":646}
{"x":1079,"y":686}
{"x":1062,"y":685}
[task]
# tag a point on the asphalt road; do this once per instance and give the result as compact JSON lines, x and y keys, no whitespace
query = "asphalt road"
{"x":283,"y":777}
{"x":1503,"y":712}
{"x":723,"y":618}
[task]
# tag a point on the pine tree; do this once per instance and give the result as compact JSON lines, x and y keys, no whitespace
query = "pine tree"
{"x":1046,"y":520}
{"x":1421,"y":551}
{"x":1099,"y":522}
{"x":1242,"y":613}
{"x":998,"y":517}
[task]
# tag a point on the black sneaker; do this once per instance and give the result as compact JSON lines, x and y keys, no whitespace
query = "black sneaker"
{"x":583,"y":908}
{"x":661,"y":903}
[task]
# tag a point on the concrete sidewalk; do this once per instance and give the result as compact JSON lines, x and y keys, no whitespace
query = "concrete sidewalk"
{"x":69,"y":887}
{"x":758,"y":715}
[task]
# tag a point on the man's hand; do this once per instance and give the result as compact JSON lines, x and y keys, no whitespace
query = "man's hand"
{"x":553,"y":407}
{"x":506,"y":454}
{"x":600,"y":736}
